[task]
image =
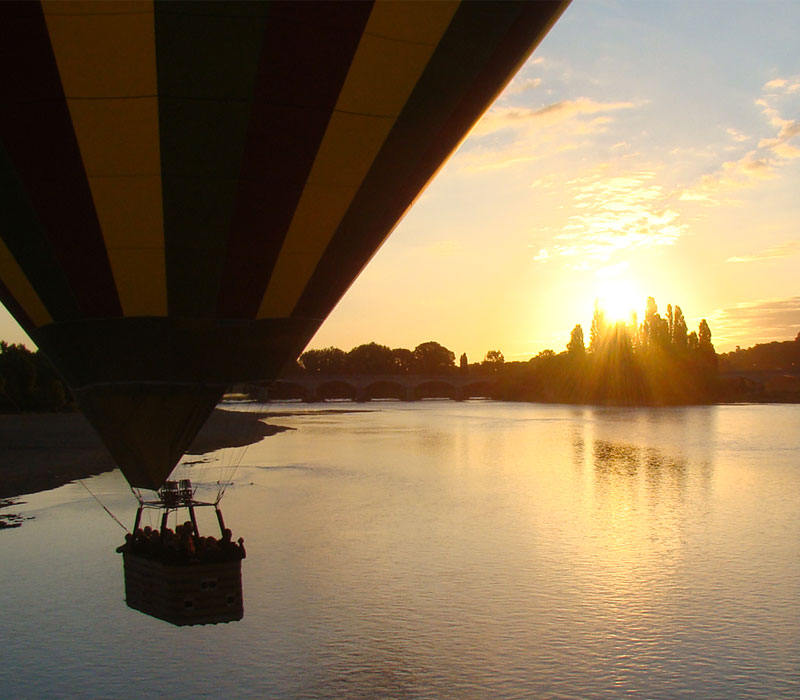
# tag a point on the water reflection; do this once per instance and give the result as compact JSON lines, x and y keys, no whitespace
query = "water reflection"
{"x":644,"y":476}
{"x":452,"y":550}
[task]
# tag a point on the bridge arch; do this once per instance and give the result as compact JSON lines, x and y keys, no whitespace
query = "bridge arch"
{"x":404,"y":387}
{"x":336,"y":389}
{"x":285,"y":389}
{"x":435,"y":389}
{"x":384,"y":389}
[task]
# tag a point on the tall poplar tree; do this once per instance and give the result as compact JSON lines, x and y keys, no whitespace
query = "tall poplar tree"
{"x":704,"y":337}
{"x":598,"y":328}
{"x":679,"y":329}
{"x":575,"y":346}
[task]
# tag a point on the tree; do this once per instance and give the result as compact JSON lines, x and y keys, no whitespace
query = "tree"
{"x":18,"y":369}
{"x":432,"y":358}
{"x":325,"y":361}
{"x":670,"y":322}
{"x":704,"y":337}
{"x":28,"y":382}
{"x":463,"y":363}
{"x":598,"y":328}
{"x":494,"y":357}
{"x":370,"y":358}
{"x":575,"y":346}
{"x":655,"y":330}
{"x":403,"y":360}
{"x":679,"y":338}
{"x":691,"y":341}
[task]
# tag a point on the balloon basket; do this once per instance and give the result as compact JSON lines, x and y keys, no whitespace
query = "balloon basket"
{"x":184,"y":594}
{"x":181,"y":577}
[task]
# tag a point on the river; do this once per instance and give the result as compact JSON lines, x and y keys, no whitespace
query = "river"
{"x":446,"y":550}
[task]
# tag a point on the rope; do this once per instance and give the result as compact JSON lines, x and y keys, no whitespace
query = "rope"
{"x":113,"y":517}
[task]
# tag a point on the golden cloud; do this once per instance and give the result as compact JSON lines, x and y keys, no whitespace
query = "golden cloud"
{"x":785,"y":250}
{"x":615,"y":214}
{"x":762,"y":163}
{"x":498,"y":117}
{"x":761,"y":321}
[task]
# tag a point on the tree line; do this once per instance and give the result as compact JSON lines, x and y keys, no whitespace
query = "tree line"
{"x":373,"y":359}
{"x":656,"y":361}
{"x":28,"y":381}
{"x":778,"y":355}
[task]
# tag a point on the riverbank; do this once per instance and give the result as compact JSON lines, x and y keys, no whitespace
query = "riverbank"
{"x":41,"y":451}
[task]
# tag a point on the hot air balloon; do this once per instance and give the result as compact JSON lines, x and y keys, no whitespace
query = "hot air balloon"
{"x":188,"y":188}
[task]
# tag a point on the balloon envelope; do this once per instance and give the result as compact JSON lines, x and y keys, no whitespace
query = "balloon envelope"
{"x":187,"y":189}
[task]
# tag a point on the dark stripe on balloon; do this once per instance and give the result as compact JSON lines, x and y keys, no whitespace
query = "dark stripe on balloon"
{"x":305,"y":58}
{"x":37,"y":130}
{"x":207,"y":59}
{"x":22,"y":233}
{"x":150,"y":349}
{"x":8,"y":300}
{"x":482,"y":47}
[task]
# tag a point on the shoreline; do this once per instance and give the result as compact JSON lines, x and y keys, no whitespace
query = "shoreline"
{"x":42,"y":451}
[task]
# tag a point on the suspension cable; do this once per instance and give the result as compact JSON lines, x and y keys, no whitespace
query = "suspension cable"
{"x":113,"y":517}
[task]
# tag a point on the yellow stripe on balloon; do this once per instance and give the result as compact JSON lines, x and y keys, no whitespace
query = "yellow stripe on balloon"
{"x":21,"y":289}
{"x":398,"y":42}
{"x":106,"y":57}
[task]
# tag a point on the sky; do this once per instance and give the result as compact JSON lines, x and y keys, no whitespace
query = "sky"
{"x":645,"y":149}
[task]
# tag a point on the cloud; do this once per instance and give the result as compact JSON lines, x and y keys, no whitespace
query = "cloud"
{"x":554,"y":114}
{"x":762,"y":163}
{"x":745,"y":172}
{"x":775,"y":84}
{"x":786,"y":86}
{"x":510,"y":135}
{"x":785,"y":250}
{"x":518,"y":86}
{"x":760,"y":321}
{"x":780,"y":148}
{"x":614,"y":214}
{"x":737,"y":136}
{"x":695,"y":196}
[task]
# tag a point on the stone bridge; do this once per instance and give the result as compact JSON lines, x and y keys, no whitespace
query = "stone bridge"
{"x":362,"y":387}
{"x":757,"y":380}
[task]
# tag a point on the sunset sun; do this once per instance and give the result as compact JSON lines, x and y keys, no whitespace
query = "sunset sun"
{"x":618,"y":299}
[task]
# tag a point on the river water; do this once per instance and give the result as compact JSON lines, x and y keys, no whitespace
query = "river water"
{"x":447,"y":550}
